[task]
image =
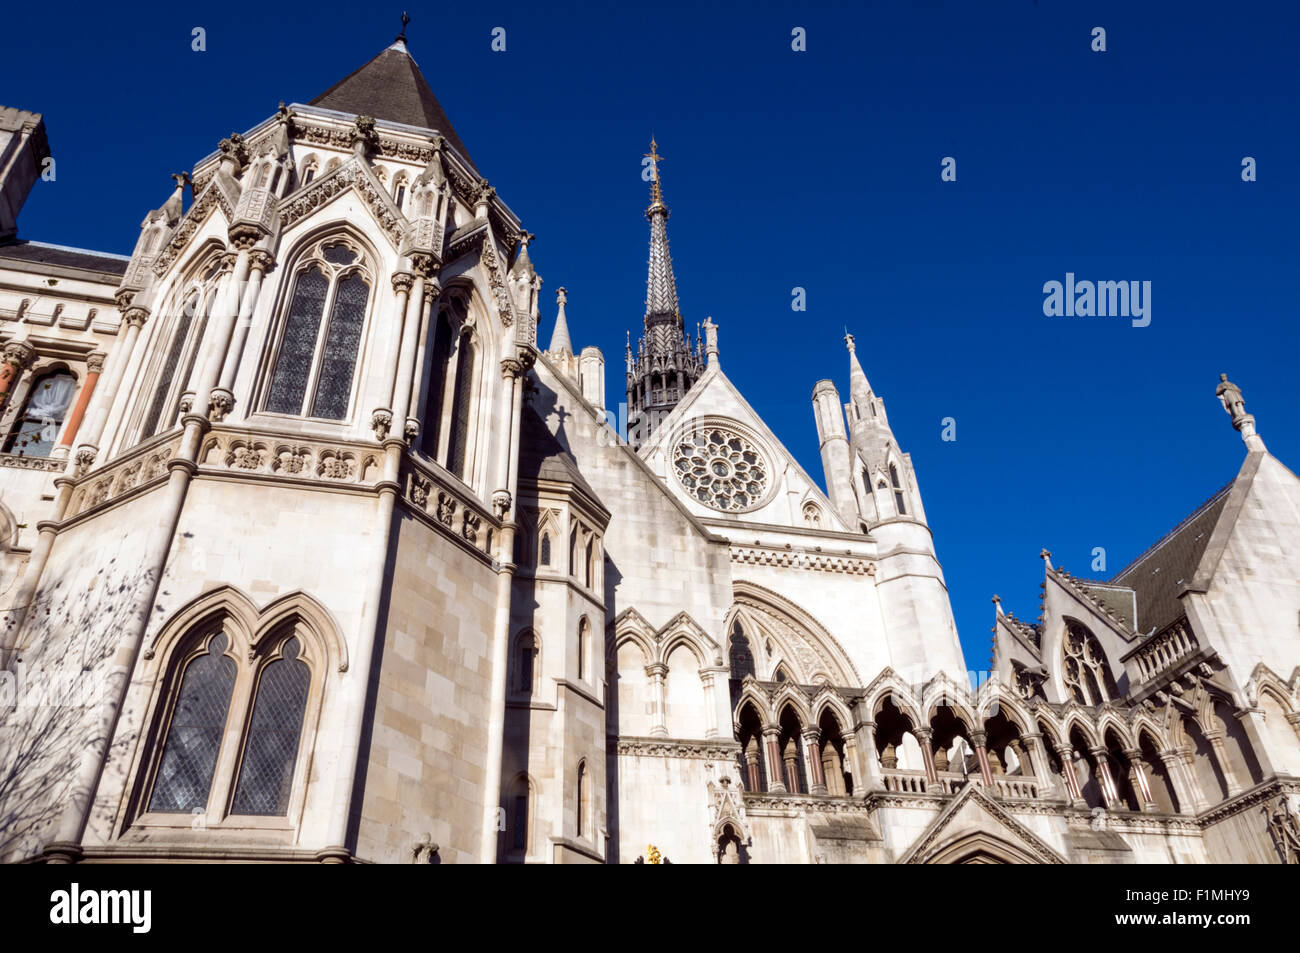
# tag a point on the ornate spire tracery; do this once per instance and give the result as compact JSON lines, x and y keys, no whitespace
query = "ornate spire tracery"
{"x":665,"y":363}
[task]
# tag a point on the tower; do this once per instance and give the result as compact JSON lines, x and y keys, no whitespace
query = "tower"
{"x":872,"y":484}
{"x":665,"y":365}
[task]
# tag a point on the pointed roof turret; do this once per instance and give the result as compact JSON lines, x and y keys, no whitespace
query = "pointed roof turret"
{"x":859,"y":386}
{"x":392,"y":87}
{"x":560,"y":343}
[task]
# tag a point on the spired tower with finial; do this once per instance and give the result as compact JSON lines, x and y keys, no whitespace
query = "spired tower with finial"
{"x":665,"y":363}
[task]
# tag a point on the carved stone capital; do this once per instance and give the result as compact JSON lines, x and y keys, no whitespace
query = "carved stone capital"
{"x":261,"y":260}
{"x":95,"y":362}
{"x":135,"y":316}
{"x":424,"y":266}
{"x":84,"y":459}
{"x":20,"y":354}
{"x":234,"y":148}
{"x":186,"y":402}
{"x":244,"y":237}
{"x":501,"y":503}
{"x":402,"y":281}
{"x":380,"y":422}
{"x":220,"y":404}
{"x":228,"y":259}
{"x":511,"y":368}
{"x":411,"y":430}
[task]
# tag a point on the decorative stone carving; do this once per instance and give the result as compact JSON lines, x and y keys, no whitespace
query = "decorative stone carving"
{"x":469,"y":525}
{"x":446,"y":508}
{"x":219,"y":405}
{"x":419,"y":490}
{"x":380,"y":421}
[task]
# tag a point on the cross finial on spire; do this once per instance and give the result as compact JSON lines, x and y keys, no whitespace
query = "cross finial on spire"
{"x":848,"y":340}
{"x":405,"y":20}
{"x":656,"y":194}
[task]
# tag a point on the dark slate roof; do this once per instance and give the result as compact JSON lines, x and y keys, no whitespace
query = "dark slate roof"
{"x":391,"y":87}
{"x":543,"y":457}
{"x":1164,"y":570}
{"x":1120,"y":600}
{"x":42,"y":254}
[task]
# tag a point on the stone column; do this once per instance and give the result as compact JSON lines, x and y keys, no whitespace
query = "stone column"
{"x":1109,"y":791}
{"x":512,"y":379}
{"x":854,"y":759}
{"x":133,"y":319}
{"x":1187,"y":788}
{"x":923,"y":735}
{"x":1066,"y":755}
{"x":406,"y":360}
{"x":222,"y":327}
{"x":790,"y":758}
{"x":775,"y":778}
{"x":710,"y":705}
{"x":1035,"y":763}
{"x":18,"y":356}
{"x":1138,"y":779}
{"x":381,"y":419}
{"x":868,"y":757}
{"x":1215,"y":738}
{"x":656,"y":673}
{"x":813,"y":758}
{"x":978,"y":739}
{"x":223,"y":398}
{"x":752,"y":778}
{"x":94,"y":367}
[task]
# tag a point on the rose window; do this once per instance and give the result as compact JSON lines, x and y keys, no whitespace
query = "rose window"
{"x":721,"y":469}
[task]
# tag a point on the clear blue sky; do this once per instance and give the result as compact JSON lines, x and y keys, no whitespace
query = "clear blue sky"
{"x":821,"y":170}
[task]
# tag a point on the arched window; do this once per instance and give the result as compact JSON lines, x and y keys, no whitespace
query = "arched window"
{"x":590,"y":578}
{"x":1086,"y":673}
{"x":309,"y":175}
{"x":574,"y":542}
{"x":898,"y":490}
{"x":440,"y":357}
{"x":526,"y":652}
{"x":183,"y":346}
{"x":231,"y":726}
{"x":584,"y":637}
{"x":812,"y":516}
{"x":271,"y":749}
{"x":521,"y":816}
{"x":194,"y":731}
{"x":321,"y":334}
{"x":37,"y":427}
{"x":584,"y":798}
{"x":544,"y":551}
{"x":458,"y":441}
{"x":400,"y":195}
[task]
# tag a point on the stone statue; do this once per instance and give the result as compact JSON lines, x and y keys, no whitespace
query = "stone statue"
{"x":1230,"y":395}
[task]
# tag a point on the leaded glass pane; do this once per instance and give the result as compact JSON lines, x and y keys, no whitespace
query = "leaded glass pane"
{"x":266,"y":772}
{"x":432,"y":427}
{"x":298,"y":345}
{"x":460,"y":408}
{"x":173,"y":359}
{"x":194,"y":736}
{"x":339,"y":255}
{"x":342,"y":340}
{"x":47,"y":404}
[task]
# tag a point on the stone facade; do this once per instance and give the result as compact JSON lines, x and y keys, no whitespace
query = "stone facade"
{"x":311,"y":553}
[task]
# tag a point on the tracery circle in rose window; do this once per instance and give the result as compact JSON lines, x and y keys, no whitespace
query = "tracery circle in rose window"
{"x":721,"y":469}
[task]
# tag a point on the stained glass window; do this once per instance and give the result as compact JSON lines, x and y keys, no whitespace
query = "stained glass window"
{"x":298,"y":346}
{"x":167,"y":375}
{"x":266,"y":772}
{"x":432,"y":427}
{"x":194,"y":735}
{"x":342,"y":341}
{"x":460,"y":408}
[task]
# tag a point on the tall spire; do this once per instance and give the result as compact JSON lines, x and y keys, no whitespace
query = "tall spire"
{"x":560,"y":343}
{"x":859,"y":387}
{"x":664,"y":366}
{"x":661,"y":285}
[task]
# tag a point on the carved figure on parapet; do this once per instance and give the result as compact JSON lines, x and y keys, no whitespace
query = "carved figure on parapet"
{"x":1229,"y":395}
{"x":1284,"y":828}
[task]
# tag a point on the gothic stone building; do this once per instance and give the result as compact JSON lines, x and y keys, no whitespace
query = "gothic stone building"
{"x":311,"y":552}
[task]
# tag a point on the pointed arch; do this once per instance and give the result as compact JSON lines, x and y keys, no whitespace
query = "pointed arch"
{"x":802,"y":638}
